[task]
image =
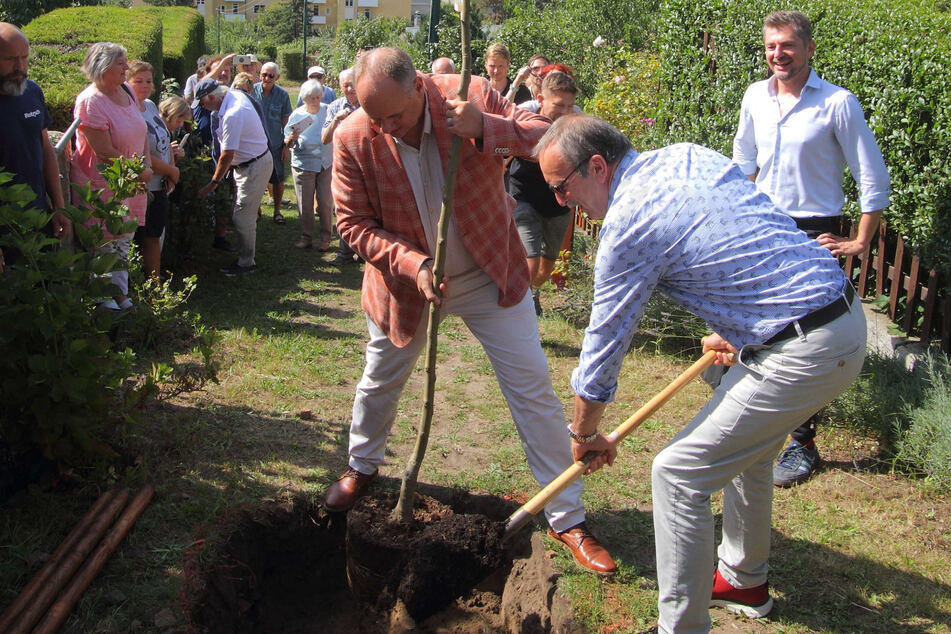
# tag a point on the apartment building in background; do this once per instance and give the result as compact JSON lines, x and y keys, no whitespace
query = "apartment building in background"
{"x":320,"y":12}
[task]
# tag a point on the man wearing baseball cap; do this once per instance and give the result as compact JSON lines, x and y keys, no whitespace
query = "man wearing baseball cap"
{"x":244,"y":150}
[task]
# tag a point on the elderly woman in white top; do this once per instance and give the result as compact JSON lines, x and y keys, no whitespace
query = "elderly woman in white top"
{"x":310,"y":164}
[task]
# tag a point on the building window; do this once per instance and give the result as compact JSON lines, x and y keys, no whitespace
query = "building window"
{"x":258,"y":8}
{"x":348,"y":3}
{"x":221,"y":8}
{"x":200,"y":3}
{"x":366,"y":13}
{"x":234,"y":8}
{"x":327,"y":12}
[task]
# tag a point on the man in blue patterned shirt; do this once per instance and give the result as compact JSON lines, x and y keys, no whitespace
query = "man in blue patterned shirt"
{"x":685,"y":221}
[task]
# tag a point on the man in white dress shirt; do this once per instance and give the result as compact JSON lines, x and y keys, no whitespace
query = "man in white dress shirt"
{"x":243,"y":149}
{"x":796,"y":134}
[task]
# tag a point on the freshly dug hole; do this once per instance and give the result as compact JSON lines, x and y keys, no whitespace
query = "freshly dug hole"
{"x":283,"y":569}
{"x":426,"y":564}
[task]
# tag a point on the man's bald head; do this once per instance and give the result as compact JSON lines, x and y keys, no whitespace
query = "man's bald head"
{"x":14,"y":57}
{"x":385,"y":63}
{"x":391,"y":93}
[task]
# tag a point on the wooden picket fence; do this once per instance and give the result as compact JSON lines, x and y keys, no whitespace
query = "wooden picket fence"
{"x":919,"y":301}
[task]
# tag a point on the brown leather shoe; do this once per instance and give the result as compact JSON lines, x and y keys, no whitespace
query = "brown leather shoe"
{"x":585,"y":548}
{"x":343,"y":494}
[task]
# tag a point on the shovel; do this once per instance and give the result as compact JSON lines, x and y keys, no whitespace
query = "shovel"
{"x":524,"y":515}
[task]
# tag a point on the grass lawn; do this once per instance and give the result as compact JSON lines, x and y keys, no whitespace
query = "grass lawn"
{"x":856,"y":549}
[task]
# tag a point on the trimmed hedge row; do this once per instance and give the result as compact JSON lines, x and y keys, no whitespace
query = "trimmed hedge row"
{"x":183,"y":39}
{"x":891,"y":55}
{"x":289,"y":61}
{"x":58,"y":44}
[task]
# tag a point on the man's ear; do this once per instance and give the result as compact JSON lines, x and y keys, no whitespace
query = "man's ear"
{"x":598,"y":168}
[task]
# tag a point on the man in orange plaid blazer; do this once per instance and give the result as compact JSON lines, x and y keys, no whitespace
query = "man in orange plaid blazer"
{"x":389,"y":168}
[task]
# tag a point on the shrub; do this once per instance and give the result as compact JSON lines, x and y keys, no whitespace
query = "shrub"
{"x":61,"y":376}
{"x":925,"y":445}
{"x":631,"y":96}
{"x":183,"y":40}
{"x":188,"y":233}
{"x":875,"y":403}
{"x":58,"y":43}
{"x":354,"y":34}
{"x":291,"y":62}
{"x":566,"y":31}
{"x":890,"y":54}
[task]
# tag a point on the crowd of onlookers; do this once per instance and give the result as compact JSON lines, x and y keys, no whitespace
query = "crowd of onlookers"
{"x":234,"y":106}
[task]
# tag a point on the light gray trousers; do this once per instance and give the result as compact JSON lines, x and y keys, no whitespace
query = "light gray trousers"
{"x":251,"y":181}
{"x":510,"y":339}
{"x":731,"y":444}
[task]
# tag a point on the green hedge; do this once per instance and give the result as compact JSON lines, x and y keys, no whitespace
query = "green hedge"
{"x":289,"y":61}
{"x":890,"y":54}
{"x":183,"y":39}
{"x":58,"y":44}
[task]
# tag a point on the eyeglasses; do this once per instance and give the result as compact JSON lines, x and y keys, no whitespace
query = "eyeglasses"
{"x":268,"y":75}
{"x":560,"y":187}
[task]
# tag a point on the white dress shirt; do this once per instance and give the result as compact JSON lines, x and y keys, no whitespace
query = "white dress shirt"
{"x":801,"y":153}
{"x":241,"y":129}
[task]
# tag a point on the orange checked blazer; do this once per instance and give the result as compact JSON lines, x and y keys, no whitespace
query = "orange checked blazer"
{"x":377,"y":213}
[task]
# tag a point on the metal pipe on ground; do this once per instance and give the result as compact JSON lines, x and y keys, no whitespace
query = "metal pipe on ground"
{"x":41,"y":578}
{"x":71,"y":560}
{"x":61,"y":608}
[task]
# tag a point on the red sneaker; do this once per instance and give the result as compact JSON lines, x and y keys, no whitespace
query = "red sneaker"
{"x":754,"y":603}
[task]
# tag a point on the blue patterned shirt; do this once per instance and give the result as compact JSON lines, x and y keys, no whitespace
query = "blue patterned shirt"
{"x":685,"y":221}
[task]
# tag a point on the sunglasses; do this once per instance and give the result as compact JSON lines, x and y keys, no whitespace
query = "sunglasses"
{"x":269,"y":75}
{"x":560,"y":187}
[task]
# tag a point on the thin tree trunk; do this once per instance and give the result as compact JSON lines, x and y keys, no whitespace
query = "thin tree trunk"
{"x":404,"y":507}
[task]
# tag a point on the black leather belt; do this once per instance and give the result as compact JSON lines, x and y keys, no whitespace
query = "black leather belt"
{"x":817,"y":225}
{"x":246,"y":163}
{"x":817,"y":318}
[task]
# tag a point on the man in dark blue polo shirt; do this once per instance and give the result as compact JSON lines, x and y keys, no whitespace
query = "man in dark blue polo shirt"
{"x":25,"y":149}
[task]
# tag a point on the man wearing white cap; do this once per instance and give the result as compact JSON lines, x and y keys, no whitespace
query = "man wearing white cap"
{"x":318,"y":73}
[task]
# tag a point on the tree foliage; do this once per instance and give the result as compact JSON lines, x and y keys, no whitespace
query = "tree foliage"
{"x":282,"y":22}
{"x":20,"y":12}
{"x":565,"y":31}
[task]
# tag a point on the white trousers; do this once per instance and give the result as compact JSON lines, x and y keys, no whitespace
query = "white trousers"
{"x":119,"y":276}
{"x":731,"y":445}
{"x":511,"y":342}
{"x":251,"y":181}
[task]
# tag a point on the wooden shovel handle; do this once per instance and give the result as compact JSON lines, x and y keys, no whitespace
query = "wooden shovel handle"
{"x":531,"y":508}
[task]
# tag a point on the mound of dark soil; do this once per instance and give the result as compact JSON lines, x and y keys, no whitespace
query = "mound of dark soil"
{"x":283,"y":568}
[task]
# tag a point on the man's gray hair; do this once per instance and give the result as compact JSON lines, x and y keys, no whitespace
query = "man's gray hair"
{"x":311,"y":88}
{"x":345,"y":73}
{"x":579,"y":137}
{"x":795,"y":19}
{"x":277,"y":70}
{"x":391,"y":62}
{"x":99,"y":57}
